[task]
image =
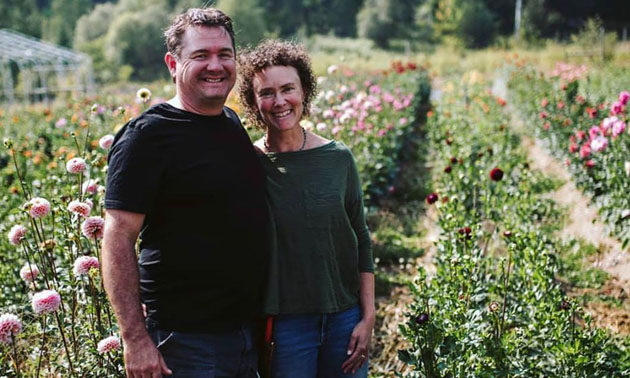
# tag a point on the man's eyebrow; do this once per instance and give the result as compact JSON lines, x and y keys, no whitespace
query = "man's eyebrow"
{"x":222,"y":50}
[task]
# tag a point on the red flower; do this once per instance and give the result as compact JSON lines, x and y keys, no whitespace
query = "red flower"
{"x":543,"y":115}
{"x":573,"y":148}
{"x":581,"y":135}
{"x":592,"y":112}
{"x":465,"y":231}
{"x":544,"y":102}
{"x":496,"y":174}
{"x":447,"y":169}
{"x":589,"y":163}
{"x":431,"y":198}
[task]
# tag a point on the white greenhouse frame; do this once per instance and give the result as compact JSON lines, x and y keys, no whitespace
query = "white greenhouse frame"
{"x":42,"y":69}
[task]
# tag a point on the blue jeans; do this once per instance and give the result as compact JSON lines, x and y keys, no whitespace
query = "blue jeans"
{"x":314,"y":346}
{"x":208,"y":355}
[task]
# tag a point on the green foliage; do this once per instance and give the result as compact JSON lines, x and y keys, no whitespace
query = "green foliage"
{"x":248,"y":20}
{"x":592,"y":37}
{"x":494,"y":308}
{"x":375,"y":23}
{"x":22,"y":16}
{"x":135,"y":39}
{"x":477,"y":25}
{"x":94,"y":25}
{"x":59,"y":28}
{"x":564,"y":120}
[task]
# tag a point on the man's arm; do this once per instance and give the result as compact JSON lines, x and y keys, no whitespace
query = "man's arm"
{"x":121,"y":280}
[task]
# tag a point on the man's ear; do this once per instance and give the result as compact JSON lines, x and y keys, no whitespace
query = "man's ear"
{"x":171,"y":64}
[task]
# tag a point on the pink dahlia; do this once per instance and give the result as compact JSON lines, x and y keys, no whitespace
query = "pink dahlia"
{"x":624,"y":97}
{"x":617,"y":108}
{"x":76,"y":165}
{"x":585,"y":151}
{"x":16,"y":234}
{"x":10,"y":326}
{"x":108,"y":344}
{"x":80,"y":208}
{"x":61,"y":122}
{"x":618,"y":128}
{"x":46,"y":301}
{"x":594,"y":131}
{"x":39,"y":207}
{"x":90,"y":186}
{"x":599,"y":143}
{"x":106,"y":141}
{"x":29,"y":272}
{"x":92,"y":227}
{"x":83,"y":264}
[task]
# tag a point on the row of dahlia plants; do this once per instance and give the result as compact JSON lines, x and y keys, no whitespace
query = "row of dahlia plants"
{"x":493,"y":307}
{"x":55,"y":319}
{"x":590,"y":133}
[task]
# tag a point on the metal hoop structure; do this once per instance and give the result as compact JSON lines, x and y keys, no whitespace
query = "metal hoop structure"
{"x":32,"y":70}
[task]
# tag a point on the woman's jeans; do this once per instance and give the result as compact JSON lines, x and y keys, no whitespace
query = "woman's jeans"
{"x":208,"y":355}
{"x":314,"y":346}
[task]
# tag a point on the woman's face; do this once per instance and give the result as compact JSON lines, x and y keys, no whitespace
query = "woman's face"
{"x":279,"y":97}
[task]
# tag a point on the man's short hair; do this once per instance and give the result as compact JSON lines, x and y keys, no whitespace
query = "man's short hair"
{"x":208,"y":17}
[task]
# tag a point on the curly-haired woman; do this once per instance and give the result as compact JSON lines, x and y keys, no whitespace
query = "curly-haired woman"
{"x":321,"y":283}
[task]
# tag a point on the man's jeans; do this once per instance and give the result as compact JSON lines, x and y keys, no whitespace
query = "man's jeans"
{"x":208,"y":355}
{"x":310,"y":346}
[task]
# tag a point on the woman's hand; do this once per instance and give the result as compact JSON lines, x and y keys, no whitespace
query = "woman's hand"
{"x":359,"y":345}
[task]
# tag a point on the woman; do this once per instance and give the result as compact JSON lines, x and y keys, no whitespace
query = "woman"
{"x":321,"y":285}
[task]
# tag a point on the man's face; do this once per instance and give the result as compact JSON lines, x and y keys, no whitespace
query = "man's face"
{"x":205,"y":70}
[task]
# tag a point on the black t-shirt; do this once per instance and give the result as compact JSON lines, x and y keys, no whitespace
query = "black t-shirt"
{"x":203,"y":250}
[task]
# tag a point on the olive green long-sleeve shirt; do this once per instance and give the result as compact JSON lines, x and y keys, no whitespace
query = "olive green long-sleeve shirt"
{"x":321,"y":243}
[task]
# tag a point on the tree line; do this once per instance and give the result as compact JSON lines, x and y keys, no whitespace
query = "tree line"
{"x":124,"y":37}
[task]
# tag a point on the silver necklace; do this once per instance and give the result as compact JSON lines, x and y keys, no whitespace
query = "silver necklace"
{"x":266,"y":142}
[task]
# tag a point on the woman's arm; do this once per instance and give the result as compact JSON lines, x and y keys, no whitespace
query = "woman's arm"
{"x":359,"y":347}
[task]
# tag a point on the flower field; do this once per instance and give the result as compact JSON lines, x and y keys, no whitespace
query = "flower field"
{"x":55,"y":318}
{"x":494,"y":307}
{"x":496,"y":300}
{"x":586,"y":126}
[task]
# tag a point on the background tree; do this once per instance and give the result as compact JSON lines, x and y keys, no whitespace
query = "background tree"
{"x":59,"y":28}
{"x":476,"y":27}
{"x":374,"y":22}
{"x":22,"y":16}
{"x":248,"y":18}
{"x":135,"y":39}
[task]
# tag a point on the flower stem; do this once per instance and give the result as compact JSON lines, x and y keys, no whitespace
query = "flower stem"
{"x":15,"y":356}
{"x":65,"y":343}
{"x":41,"y":348}
{"x":27,"y":194}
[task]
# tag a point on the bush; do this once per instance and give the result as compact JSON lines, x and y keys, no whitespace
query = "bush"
{"x":373,"y":22}
{"x":135,"y":39}
{"x":477,"y":26}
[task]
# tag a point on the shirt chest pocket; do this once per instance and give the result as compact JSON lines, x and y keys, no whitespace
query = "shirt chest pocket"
{"x":324,"y":209}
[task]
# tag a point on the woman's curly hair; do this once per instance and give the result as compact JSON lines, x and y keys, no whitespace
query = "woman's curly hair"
{"x":267,"y":54}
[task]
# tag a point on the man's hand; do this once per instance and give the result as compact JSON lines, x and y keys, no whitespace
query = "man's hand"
{"x":143,"y":360}
{"x":359,"y":346}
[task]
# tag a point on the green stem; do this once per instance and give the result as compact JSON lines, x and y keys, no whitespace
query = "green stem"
{"x":65,"y":343}
{"x":15,"y":356}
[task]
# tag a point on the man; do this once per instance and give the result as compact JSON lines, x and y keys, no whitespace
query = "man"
{"x":185,"y":177}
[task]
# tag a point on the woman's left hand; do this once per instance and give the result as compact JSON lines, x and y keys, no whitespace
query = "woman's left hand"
{"x":359,"y":346}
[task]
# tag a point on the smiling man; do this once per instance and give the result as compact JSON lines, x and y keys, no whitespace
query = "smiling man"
{"x":185,"y":178}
